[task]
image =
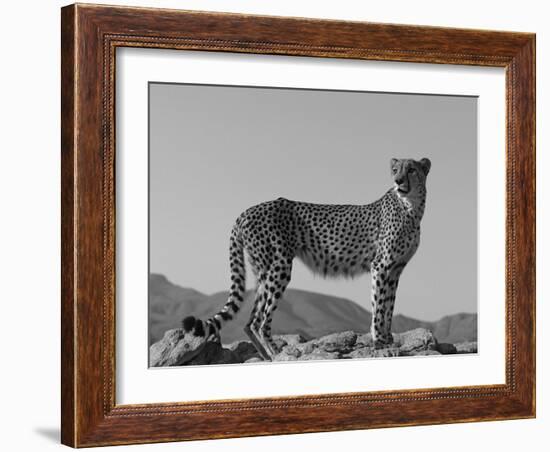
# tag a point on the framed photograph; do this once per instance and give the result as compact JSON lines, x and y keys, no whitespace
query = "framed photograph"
{"x":281,"y":225}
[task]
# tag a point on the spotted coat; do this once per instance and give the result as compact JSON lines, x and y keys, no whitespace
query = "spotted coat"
{"x":333,"y":241}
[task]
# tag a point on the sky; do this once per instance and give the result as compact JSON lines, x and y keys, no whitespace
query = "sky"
{"x":216,"y":150}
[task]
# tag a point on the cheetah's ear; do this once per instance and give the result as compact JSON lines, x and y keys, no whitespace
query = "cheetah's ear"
{"x":426,"y":165}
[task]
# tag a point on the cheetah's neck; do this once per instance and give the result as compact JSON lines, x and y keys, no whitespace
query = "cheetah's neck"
{"x":414,"y":202}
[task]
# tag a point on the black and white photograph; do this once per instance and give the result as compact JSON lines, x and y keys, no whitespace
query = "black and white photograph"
{"x":294,"y":224}
{"x":275,"y":226}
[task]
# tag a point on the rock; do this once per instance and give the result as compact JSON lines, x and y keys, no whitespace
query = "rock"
{"x":254,"y":359}
{"x":288,"y":339}
{"x":337,"y":341}
{"x":302,"y":349}
{"x":363,"y":352}
{"x":296,"y":351}
{"x":466,"y":347}
{"x":427,"y":352}
{"x":364,"y":340}
{"x":389,"y":352}
{"x":371,"y":352}
{"x":414,"y":341}
{"x":446,"y":349}
{"x":176,"y":349}
{"x":284,"y":356}
{"x":320,"y":354}
{"x":214,"y":353}
{"x":244,"y":349}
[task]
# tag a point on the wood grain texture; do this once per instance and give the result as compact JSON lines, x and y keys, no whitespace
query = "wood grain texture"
{"x":67,"y":225}
{"x":90,"y":36}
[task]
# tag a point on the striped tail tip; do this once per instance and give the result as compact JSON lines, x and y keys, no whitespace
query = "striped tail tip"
{"x":200,"y":328}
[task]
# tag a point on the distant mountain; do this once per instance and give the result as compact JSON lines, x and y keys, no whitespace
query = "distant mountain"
{"x":310,"y":314}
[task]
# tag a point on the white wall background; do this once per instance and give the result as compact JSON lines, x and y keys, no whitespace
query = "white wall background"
{"x":29,"y":226}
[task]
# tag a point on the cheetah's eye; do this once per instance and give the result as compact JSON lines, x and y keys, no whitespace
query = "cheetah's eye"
{"x":394,"y":170}
{"x":412,"y":170}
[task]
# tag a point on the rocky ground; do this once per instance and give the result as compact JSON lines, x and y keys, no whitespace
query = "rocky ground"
{"x":175,"y":349}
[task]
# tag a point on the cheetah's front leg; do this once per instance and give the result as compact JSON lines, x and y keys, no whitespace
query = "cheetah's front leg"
{"x":384,"y":287}
{"x":378,"y":296}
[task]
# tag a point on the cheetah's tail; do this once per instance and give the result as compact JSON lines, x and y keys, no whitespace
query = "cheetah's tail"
{"x":213,"y":325}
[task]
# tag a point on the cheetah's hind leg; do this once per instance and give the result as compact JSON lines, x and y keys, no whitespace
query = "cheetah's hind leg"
{"x":252,"y":327}
{"x":253,"y":336}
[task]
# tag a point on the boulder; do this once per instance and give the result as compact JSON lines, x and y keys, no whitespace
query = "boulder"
{"x":214,"y":353}
{"x":244,"y":349}
{"x":411,"y":342}
{"x":336,"y":341}
{"x":174,"y":349}
{"x":466,"y":347}
{"x":446,"y":349}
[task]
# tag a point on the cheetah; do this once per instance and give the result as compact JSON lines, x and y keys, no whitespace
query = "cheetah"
{"x":332,"y":240}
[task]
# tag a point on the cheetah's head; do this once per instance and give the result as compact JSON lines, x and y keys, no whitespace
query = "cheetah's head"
{"x":409,"y":176}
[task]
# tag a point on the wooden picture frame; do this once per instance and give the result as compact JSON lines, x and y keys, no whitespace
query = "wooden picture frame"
{"x":90,"y":35}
